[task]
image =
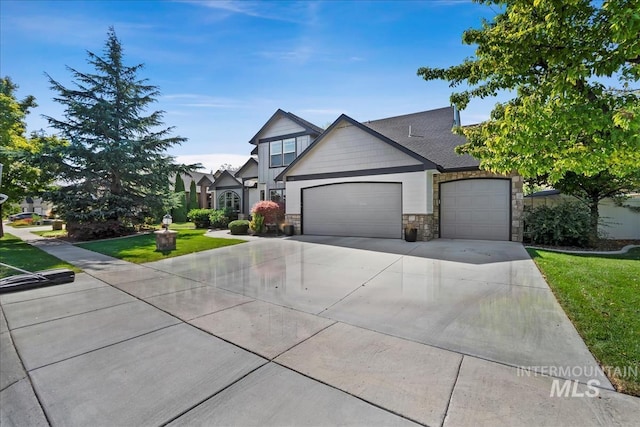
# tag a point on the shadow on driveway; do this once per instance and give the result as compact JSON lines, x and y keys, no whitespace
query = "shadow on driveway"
{"x":464,"y":251}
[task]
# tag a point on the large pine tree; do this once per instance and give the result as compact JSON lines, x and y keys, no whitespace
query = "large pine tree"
{"x":116,"y":168}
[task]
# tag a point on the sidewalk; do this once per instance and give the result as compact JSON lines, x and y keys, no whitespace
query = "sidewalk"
{"x":292,"y":332}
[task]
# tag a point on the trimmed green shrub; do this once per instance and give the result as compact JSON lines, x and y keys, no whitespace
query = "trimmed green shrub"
{"x":97,"y":230}
{"x":566,"y":224}
{"x":239,"y":226}
{"x":231,"y":214}
{"x":257,"y":223}
{"x":218,"y":219}
{"x":200,"y":217}
{"x":179,"y":213}
{"x":193,"y":196}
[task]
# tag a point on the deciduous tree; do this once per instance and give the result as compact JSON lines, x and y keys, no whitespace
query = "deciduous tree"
{"x":21,"y":176}
{"x":572,"y":67}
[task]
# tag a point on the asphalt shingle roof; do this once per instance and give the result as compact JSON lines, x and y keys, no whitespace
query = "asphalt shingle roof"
{"x":431,"y":136}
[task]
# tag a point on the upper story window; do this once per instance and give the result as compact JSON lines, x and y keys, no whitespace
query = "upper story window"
{"x":282,"y":152}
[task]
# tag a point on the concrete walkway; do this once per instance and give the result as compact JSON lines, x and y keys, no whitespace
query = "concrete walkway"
{"x":301,"y":331}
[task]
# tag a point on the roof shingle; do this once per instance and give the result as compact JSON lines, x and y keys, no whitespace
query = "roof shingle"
{"x":431,"y":136}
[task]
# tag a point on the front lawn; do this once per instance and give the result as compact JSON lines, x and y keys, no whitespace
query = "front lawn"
{"x":142,"y":248}
{"x":601,"y":296}
{"x":17,"y":253}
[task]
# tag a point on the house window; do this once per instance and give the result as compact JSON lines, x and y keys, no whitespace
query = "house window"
{"x":261,"y":194}
{"x":277,"y":195}
{"x":229,"y":200}
{"x":282,"y":152}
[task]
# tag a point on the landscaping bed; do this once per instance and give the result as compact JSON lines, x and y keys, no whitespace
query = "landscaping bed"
{"x":601,"y":296}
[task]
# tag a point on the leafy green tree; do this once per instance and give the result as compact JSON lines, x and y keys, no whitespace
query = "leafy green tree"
{"x":591,"y":190}
{"x":21,"y":176}
{"x":115,"y":166}
{"x":193,"y":196}
{"x":179,"y":212}
{"x":570,"y":66}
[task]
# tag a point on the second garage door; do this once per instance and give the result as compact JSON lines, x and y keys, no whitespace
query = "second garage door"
{"x":354,"y":209}
{"x":475,"y":209}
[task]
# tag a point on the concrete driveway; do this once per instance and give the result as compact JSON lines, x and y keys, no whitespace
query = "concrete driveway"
{"x":302,"y":331}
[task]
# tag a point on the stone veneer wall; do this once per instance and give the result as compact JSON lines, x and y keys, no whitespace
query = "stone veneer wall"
{"x":293,"y":219}
{"x":424,"y":224}
{"x":517,"y":198}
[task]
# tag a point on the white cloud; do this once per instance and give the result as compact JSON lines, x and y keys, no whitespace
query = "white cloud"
{"x":287,"y":12}
{"x":212,"y":162}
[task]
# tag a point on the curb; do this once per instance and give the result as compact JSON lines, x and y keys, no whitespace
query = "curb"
{"x":565,"y":251}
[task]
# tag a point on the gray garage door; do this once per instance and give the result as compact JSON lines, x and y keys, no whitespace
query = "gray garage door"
{"x":475,"y":209}
{"x":359,"y":209}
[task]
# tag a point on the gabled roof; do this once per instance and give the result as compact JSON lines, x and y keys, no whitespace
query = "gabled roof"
{"x":246,"y":166}
{"x":428,"y":164}
{"x":431,"y":137}
{"x":204,"y":181}
{"x":225,"y":174}
{"x":308,"y":126}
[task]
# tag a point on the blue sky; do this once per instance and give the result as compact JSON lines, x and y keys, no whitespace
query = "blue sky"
{"x":224,"y":67}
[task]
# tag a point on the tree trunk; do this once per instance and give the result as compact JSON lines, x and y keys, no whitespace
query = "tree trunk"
{"x":595,"y":219}
{"x":1,"y":224}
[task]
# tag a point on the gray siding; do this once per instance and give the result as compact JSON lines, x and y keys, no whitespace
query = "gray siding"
{"x":280,"y":126}
{"x":250,"y":172}
{"x":302,"y":143}
{"x":348,"y":148}
{"x":226,"y":181}
{"x":266,"y":174}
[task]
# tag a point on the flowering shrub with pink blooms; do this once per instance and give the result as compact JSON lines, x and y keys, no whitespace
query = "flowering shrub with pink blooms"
{"x":272,"y":212}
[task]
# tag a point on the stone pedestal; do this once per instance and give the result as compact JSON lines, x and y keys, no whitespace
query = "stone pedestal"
{"x":56,"y":224}
{"x":166,"y":240}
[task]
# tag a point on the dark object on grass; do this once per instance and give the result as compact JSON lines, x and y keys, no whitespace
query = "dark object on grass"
{"x":29,"y":280}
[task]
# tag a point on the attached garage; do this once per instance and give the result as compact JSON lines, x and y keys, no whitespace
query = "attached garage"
{"x":478,"y":208}
{"x":354,"y":209}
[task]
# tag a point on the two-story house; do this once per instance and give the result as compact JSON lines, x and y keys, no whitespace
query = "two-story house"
{"x":375,"y":178}
{"x":282,"y":138}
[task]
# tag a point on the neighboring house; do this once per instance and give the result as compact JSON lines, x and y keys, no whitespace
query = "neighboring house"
{"x":36,"y":205}
{"x":203,"y":181}
{"x":374,"y":178}
{"x":616,"y":222}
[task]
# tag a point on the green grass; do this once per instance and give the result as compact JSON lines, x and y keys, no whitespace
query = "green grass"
{"x":182,"y":226}
{"x":17,"y":253}
{"x":142,"y":248}
{"x":601,"y":296}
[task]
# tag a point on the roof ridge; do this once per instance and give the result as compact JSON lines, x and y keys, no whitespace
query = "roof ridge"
{"x":409,"y":114}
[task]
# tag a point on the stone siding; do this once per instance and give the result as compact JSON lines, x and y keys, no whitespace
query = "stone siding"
{"x":517,"y":198}
{"x":293,"y":219}
{"x":424,"y":224}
